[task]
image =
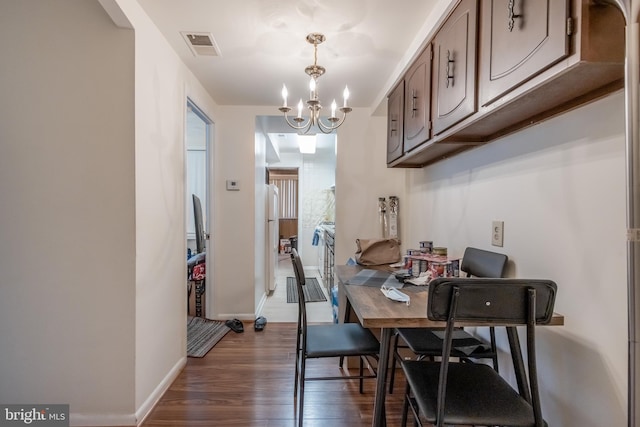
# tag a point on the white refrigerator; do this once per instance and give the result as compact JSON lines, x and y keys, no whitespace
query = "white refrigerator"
{"x":273,"y":238}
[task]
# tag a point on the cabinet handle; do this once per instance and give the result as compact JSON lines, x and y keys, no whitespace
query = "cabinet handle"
{"x":394,"y":122}
{"x":414,"y":97}
{"x":449,"y":69}
{"x":512,"y":16}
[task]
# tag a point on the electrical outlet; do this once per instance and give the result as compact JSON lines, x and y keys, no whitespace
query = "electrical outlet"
{"x":497,"y":233}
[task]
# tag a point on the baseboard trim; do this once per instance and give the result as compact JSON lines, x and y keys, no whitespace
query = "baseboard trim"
{"x":130,"y":420}
{"x":261,"y":304}
{"x":145,"y":409}
{"x":247,"y":317}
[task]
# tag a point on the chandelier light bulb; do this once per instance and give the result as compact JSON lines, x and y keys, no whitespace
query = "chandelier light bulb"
{"x":312,"y":88}
{"x":284,"y":95}
{"x":345,"y":94}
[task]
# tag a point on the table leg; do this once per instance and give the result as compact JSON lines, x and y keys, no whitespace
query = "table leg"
{"x":347,"y":315}
{"x":379,"y":417}
{"x":347,"y":311}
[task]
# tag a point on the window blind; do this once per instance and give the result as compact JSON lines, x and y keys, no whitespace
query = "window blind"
{"x":288,"y":202}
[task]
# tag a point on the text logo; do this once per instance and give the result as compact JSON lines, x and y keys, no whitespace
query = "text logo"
{"x":34,"y":415}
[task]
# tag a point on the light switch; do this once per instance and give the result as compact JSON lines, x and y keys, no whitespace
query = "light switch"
{"x":233,"y":185}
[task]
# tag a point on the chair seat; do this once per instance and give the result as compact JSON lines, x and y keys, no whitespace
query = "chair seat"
{"x":345,"y":339}
{"x":424,"y":341}
{"x":476,"y":394}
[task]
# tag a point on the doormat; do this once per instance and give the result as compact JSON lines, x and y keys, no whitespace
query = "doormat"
{"x":203,"y":334}
{"x":312,"y":290}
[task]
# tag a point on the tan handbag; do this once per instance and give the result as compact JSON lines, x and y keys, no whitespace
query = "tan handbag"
{"x":377,"y":251}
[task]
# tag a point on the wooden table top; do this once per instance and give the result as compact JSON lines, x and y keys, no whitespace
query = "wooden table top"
{"x":374,"y":310}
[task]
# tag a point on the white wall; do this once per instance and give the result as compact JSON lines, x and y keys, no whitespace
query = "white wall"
{"x":238,"y":231}
{"x":67,"y":251}
{"x":94,"y":220}
{"x":162,"y":85}
{"x":559,"y":187}
{"x":361,"y":177}
{"x":260,"y":243}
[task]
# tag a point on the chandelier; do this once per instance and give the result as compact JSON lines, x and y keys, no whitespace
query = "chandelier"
{"x":313,"y":104}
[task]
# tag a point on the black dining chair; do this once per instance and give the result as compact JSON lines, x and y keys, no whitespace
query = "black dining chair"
{"x":196,"y":264}
{"x":427,"y":342}
{"x":328,"y":340}
{"x":456,"y":393}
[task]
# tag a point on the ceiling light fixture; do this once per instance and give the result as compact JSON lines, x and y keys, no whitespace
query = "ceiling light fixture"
{"x":313,"y":104}
{"x":307,"y":144}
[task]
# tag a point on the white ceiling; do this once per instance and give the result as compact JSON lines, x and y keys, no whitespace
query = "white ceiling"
{"x":262,"y":45}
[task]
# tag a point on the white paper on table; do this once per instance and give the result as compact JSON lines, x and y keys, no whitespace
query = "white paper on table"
{"x":395,"y":295}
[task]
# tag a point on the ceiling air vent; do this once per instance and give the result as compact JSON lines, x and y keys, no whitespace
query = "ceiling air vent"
{"x":201,"y":44}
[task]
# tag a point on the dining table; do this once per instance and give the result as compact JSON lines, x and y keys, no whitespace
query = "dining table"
{"x":361,"y":289}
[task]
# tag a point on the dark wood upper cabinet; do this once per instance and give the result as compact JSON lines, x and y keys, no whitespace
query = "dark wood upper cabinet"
{"x":519,"y":39}
{"x":417,"y":101}
{"x":535,"y":59}
{"x":454,"y":79}
{"x":395,"y":123}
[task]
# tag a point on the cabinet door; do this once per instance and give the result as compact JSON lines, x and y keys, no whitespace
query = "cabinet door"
{"x":394,"y":123}
{"x":417,"y":101}
{"x":519,"y":39}
{"x":454,"y":79}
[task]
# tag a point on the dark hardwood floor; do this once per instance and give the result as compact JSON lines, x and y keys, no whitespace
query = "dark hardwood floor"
{"x":247,"y":380}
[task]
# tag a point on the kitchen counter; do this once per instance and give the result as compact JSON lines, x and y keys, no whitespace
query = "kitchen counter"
{"x":328,"y":264}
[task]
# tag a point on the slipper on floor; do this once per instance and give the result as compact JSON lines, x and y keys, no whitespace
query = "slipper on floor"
{"x":235,"y":325}
{"x":260,"y":323}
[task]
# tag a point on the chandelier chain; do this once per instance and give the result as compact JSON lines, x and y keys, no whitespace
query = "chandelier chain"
{"x":315,"y":55}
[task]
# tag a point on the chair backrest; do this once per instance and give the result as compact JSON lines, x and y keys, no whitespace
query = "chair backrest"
{"x":199,"y":223}
{"x":501,"y":302}
{"x":494,"y":302}
{"x":480,"y":263}
{"x":298,"y":270}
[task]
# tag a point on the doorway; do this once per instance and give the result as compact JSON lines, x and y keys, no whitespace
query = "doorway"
{"x":198,"y":141}
{"x":315,"y":187}
{"x":286,"y":180}
{"x":313,"y":175}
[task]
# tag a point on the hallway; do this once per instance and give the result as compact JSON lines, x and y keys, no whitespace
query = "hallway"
{"x":276,"y":308}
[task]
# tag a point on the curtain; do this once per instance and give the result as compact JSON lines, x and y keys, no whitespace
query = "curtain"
{"x":288,"y":202}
